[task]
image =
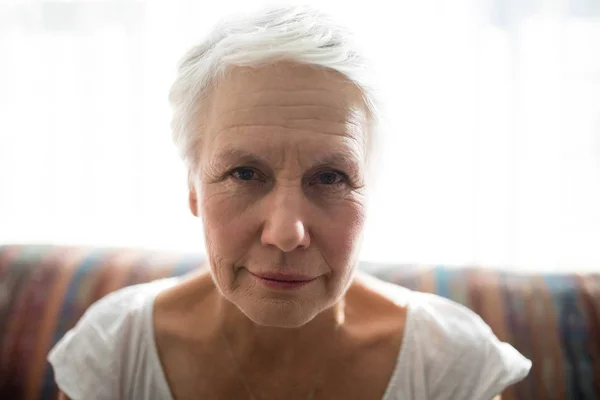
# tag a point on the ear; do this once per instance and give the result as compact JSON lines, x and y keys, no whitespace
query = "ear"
{"x":193,"y":200}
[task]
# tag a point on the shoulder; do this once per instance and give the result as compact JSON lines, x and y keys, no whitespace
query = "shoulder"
{"x":457,"y":352}
{"x":376,"y":289}
{"x":89,"y":359}
{"x":379,"y":309}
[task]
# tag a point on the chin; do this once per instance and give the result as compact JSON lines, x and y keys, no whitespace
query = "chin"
{"x":283,"y":308}
{"x":279,"y":313}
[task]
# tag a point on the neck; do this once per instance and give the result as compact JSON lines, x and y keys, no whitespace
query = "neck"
{"x":250,"y":340}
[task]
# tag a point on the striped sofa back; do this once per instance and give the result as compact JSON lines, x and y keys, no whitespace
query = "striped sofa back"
{"x":554,"y":320}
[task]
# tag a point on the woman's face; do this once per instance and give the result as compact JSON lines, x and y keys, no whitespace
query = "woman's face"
{"x":280,"y":188}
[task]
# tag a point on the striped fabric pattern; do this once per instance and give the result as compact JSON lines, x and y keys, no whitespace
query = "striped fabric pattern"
{"x":552,"y":319}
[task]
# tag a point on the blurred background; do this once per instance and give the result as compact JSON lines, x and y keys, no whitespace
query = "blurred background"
{"x":491,"y":127}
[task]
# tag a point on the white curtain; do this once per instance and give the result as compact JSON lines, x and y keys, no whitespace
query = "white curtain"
{"x":492,"y":127}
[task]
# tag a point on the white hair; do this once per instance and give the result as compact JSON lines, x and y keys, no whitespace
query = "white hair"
{"x":292,"y":33}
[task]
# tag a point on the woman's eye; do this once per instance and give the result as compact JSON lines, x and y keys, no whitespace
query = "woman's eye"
{"x":330,"y":178}
{"x":244,"y":173}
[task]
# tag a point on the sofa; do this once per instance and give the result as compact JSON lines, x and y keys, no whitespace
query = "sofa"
{"x":552,"y":319}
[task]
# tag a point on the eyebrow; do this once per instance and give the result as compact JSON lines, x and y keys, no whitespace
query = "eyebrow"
{"x":340,"y":158}
{"x":238,"y":155}
{"x":343,"y":159}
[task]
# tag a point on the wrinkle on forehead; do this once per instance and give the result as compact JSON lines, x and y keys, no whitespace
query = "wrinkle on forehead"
{"x":348,"y":129}
{"x":287,"y":97}
{"x":290,"y":105}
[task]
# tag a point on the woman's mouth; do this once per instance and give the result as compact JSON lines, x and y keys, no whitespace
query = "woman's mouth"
{"x":283,"y":281}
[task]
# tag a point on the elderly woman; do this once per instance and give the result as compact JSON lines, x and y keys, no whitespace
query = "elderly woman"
{"x":275,"y":121}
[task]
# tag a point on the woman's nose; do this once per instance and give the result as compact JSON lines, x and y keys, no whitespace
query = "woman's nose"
{"x":285,"y":221}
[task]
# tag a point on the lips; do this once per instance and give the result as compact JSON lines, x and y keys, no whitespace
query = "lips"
{"x":284,"y":278}
{"x":279,"y":282}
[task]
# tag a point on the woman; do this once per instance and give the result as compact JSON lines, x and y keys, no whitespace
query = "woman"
{"x":275,"y":121}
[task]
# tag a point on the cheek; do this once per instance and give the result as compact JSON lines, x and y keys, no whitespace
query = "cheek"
{"x":228,"y":231}
{"x":340,"y":235}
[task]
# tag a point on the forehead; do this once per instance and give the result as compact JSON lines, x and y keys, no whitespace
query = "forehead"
{"x":286,"y":105}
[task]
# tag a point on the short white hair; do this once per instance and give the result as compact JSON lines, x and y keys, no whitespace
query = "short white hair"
{"x":292,"y":33}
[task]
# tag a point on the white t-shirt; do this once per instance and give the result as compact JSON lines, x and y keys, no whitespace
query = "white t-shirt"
{"x":447,"y":353}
